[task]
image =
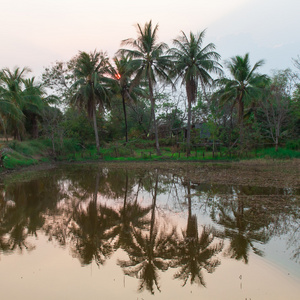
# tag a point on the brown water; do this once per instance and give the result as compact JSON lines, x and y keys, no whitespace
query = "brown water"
{"x":91,"y":232}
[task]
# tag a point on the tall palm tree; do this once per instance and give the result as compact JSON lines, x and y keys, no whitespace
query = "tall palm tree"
{"x":193,"y":64}
{"x":148,"y":54}
{"x":122,"y":73}
{"x":244,"y":85}
{"x":91,"y":89}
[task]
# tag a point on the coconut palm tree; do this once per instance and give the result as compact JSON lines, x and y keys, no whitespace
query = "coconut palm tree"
{"x":151,"y":62}
{"x":244,"y":85}
{"x":193,"y":64}
{"x":122,"y":73}
{"x":91,"y":88}
{"x":33,"y":104}
{"x":22,"y":101}
{"x":11,"y":98}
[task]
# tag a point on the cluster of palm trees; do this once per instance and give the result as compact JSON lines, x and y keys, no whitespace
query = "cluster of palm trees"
{"x":22,"y":102}
{"x":148,"y":61}
{"x":135,"y":72}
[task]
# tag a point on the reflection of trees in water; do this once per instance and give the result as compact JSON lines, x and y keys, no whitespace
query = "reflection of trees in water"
{"x":89,"y":231}
{"x":195,"y":252}
{"x":250,"y":215}
{"x":240,"y":227}
{"x":22,"y":215}
{"x":286,"y":221}
{"x":129,"y":218}
{"x":149,"y":252}
{"x":72,"y":209}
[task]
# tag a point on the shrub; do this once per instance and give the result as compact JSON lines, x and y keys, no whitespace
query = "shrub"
{"x":293,"y":145}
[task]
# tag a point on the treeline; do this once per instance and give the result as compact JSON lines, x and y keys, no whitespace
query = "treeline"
{"x":152,"y":91}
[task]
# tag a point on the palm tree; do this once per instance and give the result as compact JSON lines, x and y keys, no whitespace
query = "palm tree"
{"x":152,"y":64}
{"x":11,"y":99}
{"x":244,"y":85}
{"x":91,"y":89}
{"x":22,"y":101}
{"x":34,"y":102}
{"x":193,"y":64}
{"x":122,"y":74}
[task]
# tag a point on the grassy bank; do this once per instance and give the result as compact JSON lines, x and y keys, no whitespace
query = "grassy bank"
{"x":20,"y":154}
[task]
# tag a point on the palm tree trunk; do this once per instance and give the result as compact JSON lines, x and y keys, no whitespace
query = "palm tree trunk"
{"x":241,"y":123}
{"x":125,"y":118}
{"x":96,"y":130}
{"x":153,"y":115}
{"x":188,"y":136}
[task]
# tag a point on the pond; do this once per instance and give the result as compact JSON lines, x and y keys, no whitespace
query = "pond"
{"x":105,"y":232}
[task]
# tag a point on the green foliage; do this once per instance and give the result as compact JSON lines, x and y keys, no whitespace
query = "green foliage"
{"x":29,"y":148}
{"x":14,"y":160}
{"x":293,"y":145}
{"x":77,"y":126}
{"x":282,"y":153}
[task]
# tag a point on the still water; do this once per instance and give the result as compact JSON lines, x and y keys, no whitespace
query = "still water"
{"x":93,"y":232}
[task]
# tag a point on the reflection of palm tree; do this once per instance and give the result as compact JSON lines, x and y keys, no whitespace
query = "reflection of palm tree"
{"x":129,"y":218}
{"x":196,"y":252}
{"x":149,"y":253}
{"x":90,"y":232}
{"x":240,"y":229}
{"x":90,"y":235}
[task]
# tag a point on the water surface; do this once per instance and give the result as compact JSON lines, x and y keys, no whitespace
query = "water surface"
{"x":90,"y":232}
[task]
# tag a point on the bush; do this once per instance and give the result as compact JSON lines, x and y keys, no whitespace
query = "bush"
{"x":293,"y":145}
{"x":13,"y":160}
{"x":282,"y":153}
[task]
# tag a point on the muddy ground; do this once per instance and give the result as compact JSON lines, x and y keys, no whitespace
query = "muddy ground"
{"x":264,"y":173}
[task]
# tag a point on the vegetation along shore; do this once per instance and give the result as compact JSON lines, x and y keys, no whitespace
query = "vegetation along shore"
{"x":150,"y":102}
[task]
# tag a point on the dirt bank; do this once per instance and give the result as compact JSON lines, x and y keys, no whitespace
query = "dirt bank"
{"x":265,"y":173}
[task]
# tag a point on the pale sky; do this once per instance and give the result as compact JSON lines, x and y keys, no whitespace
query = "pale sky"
{"x":35,"y":33}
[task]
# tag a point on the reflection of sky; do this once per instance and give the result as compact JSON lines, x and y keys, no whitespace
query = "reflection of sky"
{"x":278,"y":251}
{"x":35,"y":33}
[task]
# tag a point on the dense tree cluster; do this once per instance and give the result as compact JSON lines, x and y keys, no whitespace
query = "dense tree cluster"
{"x":138,"y":94}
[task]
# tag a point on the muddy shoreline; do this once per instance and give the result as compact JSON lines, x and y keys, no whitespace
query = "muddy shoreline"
{"x":264,"y":173}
